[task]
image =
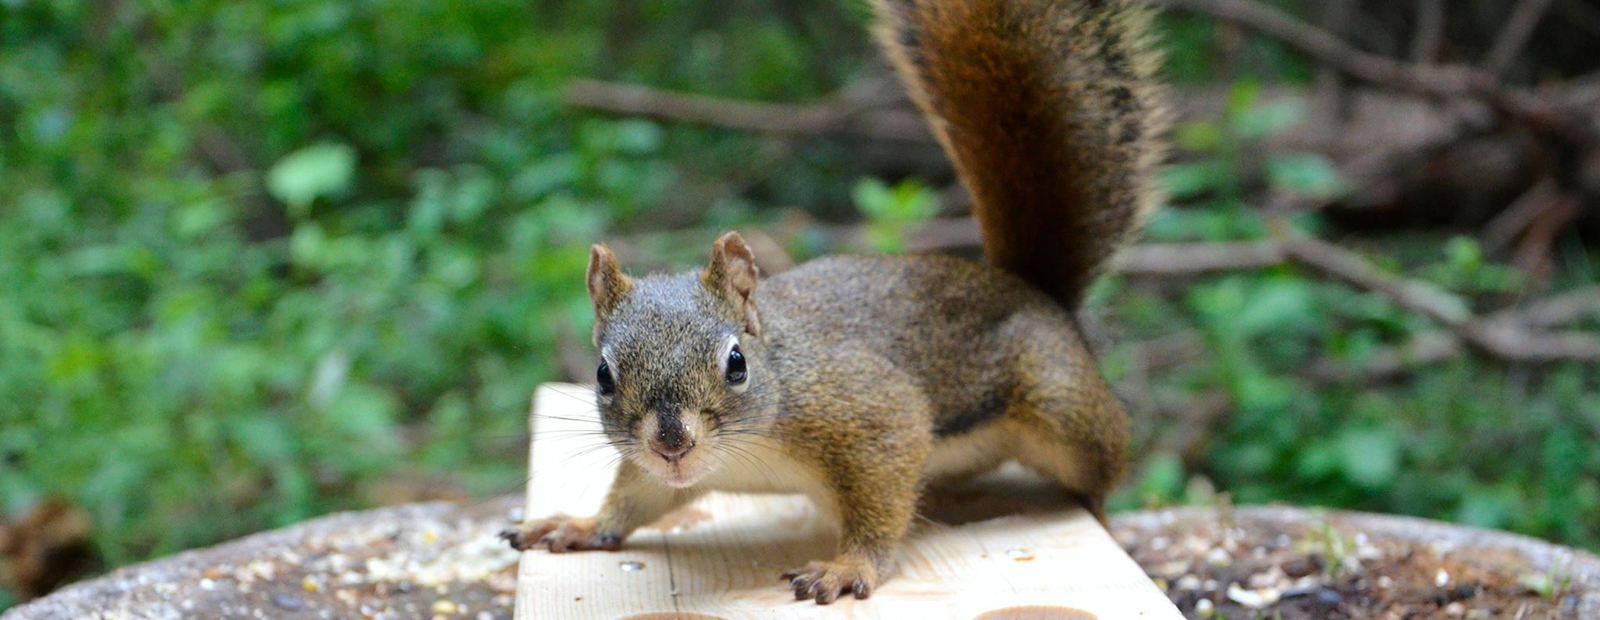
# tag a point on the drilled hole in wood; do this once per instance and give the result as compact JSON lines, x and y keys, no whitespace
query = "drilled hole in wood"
{"x":1037,"y":612}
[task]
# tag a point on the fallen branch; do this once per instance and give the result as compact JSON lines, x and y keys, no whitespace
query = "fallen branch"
{"x":823,"y":119}
{"x":1430,"y":31}
{"x":1505,"y":336}
{"x":1446,"y":82}
{"x":1351,"y":268}
{"x":1523,"y":212}
{"x":1558,"y":310}
{"x":1435,"y":80}
{"x":1515,"y":35}
{"x":1190,"y":259}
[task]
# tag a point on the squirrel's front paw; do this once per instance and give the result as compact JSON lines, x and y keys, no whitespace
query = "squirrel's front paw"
{"x":561,"y":533}
{"x":825,"y":581}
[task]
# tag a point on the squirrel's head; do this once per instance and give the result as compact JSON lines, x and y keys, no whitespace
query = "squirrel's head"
{"x":680,"y":373}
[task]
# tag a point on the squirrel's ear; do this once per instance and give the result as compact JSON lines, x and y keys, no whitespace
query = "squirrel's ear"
{"x":732,"y":273}
{"x":607,"y":284}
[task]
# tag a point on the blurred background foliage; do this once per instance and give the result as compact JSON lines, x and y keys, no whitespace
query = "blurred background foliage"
{"x":260,"y":261}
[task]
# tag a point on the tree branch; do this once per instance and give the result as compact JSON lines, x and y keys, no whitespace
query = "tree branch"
{"x":1430,"y":32}
{"x":1558,"y":310}
{"x":1524,"y":18}
{"x":1191,"y":259}
{"x":1435,"y":80}
{"x":827,"y":119}
{"x":1348,"y":267}
{"x":1502,"y":336}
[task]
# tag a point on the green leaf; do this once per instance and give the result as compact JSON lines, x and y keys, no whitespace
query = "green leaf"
{"x":320,"y":171}
{"x":1242,"y":97}
{"x":1162,"y":480}
{"x":1464,"y":252}
{"x":873,"y":198}
{"x":1269,"y":118}
{"x":1371,"y":457}
{"x":1189,"y":180}
{"x":1485,"y":508}
{"x":545,"y":176}
{"x":638,"y":137}
{"x":1200,"y":136}
{"x":1307,"y":174}
{"x":891,"y":210}
{"x":1274,"y":307}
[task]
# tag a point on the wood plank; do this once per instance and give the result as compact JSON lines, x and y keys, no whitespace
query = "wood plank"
{"x":1003,"y":543}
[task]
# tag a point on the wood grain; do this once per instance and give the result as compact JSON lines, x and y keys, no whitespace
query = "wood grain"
{"x":1003,"y":544}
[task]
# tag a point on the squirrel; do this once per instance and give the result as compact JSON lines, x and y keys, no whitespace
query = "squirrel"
{"x":861,"y":380}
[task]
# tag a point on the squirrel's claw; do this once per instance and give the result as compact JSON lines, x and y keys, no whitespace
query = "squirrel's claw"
{"x":824,"y":582}
{"x":561,"y":533}
{"x":514,"y":537}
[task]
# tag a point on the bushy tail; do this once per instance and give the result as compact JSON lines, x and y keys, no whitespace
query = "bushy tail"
{"x":1049,"y":110}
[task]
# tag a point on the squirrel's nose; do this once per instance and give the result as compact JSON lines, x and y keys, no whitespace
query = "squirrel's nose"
{"x":671,"y":453}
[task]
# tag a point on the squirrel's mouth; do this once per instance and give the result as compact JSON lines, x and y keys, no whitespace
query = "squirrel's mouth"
{"x":677,"y":469}
{"x":679,"y":474}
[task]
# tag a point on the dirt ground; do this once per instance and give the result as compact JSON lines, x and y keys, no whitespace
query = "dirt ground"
{"x":1315,"y":570}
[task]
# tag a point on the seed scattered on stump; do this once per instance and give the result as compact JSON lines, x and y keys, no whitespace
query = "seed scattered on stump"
{"x":288,"y":601}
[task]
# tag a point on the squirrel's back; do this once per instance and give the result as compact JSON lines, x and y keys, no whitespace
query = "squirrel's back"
{"x":941,"y":319}
{"x":1050,"y":114}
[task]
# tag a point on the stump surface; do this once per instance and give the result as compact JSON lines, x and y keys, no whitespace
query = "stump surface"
{"x":1297,"y":564}
{"x":1002,"y":548}
{"x":410,"y":561}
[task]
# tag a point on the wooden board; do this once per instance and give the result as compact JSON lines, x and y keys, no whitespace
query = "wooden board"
{"x":1003,"y":545}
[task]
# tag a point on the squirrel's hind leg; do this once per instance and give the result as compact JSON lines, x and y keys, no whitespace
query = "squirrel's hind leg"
{"x":1071,"y":427}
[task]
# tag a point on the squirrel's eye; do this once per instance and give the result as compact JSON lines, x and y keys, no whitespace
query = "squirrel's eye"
{"x":602,"y":376}
{"x":736,"y":372}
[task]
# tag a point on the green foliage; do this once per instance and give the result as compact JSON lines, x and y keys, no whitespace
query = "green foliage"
{"x":1465,"y":268}
{"x":320,"y":171}
{"x":890,"y":211}
{"x":259,"y":259}
{"x":1468,"y":440}
{"x":1247,"y":121}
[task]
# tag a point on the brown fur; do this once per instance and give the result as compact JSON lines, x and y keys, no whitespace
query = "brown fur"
{"x":1048,"y":110}
{"x":869,"y":378}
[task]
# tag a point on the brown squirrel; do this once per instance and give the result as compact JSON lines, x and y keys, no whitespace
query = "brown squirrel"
{"x":859,"y":380}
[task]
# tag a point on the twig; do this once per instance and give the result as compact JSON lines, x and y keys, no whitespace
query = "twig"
{"x":1533,"y":254}
{"x":1439,"y":81}
{"x":1518,"y":28}
{"x":820,"y":119}
{"x":1557,"y":310}
{"x":1514,"y":342}
{"x":1436,"y":80}
{"x":1350,"y":268}
{"x":1515,"y":219}
{"x":1336,"y":15}
{"x":1430,"y":32}
{"x":1502,"y":337}
{"x":1190,"y":259}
